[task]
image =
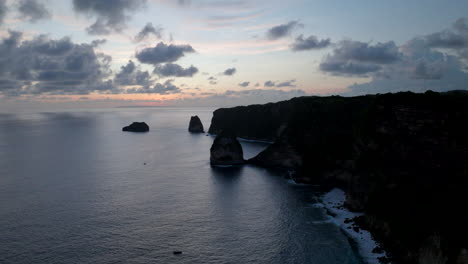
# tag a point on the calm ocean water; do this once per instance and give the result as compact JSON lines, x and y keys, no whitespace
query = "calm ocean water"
{"x":74,"y":188}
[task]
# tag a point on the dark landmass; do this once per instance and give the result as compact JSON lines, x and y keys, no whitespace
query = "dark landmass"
{"x":136,"y":127}
{"x":401,"y":158}
{"x":226,"y":150}
{"x":195,"y":125}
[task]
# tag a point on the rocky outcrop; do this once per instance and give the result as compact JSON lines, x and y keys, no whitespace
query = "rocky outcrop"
{"x":136,"y":127}
{"x":401,"y":158}
{"x":195,"y":125}
{"x":278,"y":155}
{"x":226,"y":150}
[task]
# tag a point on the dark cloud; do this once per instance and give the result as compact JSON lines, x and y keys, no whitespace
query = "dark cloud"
{"x":129,"y":74}
{"x":43,"y":45}
{"x":110,"y":15}
{"x":165,"y":88}
{"x":98,"y":42}
{"x":355,"y":58}
{"x":454,"y":39}
{"x":309,"y":43}
{"x":163,"y":53}
{"x":148,"y":30}
{"x":244,"y":84}
{"x":269,"y":84}
{"x":289,"y":83}
{"x":434,"y":62}
{"x":230,"y":71}
{"x":348,"y":67}
{"x":283,"y":30}
{"x":447,"y":39}
{"x":427,"y":71}
{"x":461,"y":25}
{"x":46,"y":66}
{"x":32,"y":10}
{"x":3,"y":10}
{"x":170,"y":69}
{"x":213,"y":80}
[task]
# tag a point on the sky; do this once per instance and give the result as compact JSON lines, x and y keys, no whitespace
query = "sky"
{"x":107,"y":53}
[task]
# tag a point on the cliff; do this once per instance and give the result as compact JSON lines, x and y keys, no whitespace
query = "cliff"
{"x":401,"y":158}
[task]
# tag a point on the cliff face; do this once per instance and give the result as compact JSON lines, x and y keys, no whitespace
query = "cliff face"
{"x":402,"y":159}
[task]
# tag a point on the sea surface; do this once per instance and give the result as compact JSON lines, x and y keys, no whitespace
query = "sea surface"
{"x":74,"y":188}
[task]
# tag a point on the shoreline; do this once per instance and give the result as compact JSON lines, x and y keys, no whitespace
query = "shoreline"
{"x":332,"y":202}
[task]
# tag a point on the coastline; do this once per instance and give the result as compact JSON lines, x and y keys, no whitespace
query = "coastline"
{"x":332,"y":202}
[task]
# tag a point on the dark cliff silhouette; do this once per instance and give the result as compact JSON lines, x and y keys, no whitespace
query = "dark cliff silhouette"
{"x":401,"y":158}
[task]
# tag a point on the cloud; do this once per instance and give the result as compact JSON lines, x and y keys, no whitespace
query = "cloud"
{"x":148,"y":30}
{"x":129,"y":74}
{"x":454,"y":39}
{"x":269,"y":84}
{"x":230,"y":71}
{"x":33,"y":11}
{"x":110,"y":15}
{"x":435,"y":61}
{"x":244,"y":84}
{"x":163,"y":53}
{"x":170,"y":69}
{"x":427,"y":71}
{"x":165,"y":88}
{"x":283,"y":30}
{"x":312,"y":42}
{"x":355,"y":58}
{"x":3,"y":10}
{"x":289,"y":83}
{"x":98,"y":42}
{"x":46,"y":66}
{"x":213,"y":80}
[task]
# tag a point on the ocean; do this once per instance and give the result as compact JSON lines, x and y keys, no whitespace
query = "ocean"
{"x":74,"y":188}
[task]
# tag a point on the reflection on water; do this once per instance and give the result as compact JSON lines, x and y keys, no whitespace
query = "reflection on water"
{"x":74,"y":188}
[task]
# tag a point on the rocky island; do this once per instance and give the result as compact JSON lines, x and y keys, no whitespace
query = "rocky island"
{"x":136,"y":127}
{"x":195,"y":125}
{"x":226,"y":150}
{"x":402,"y":160}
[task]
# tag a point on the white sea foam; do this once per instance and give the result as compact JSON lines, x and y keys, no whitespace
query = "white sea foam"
{"x":333,"y":202}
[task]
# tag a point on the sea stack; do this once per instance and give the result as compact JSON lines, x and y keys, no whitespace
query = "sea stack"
{"x":136,"y":127}
{"x":226,"y":150}
{"x":195,"y":125}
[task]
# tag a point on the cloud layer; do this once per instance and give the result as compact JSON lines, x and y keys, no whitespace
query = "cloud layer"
{"x":355,"y":58}
{"x":47,"y":66}
{"x":111,"y":15}
{"x":436,"y":61}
